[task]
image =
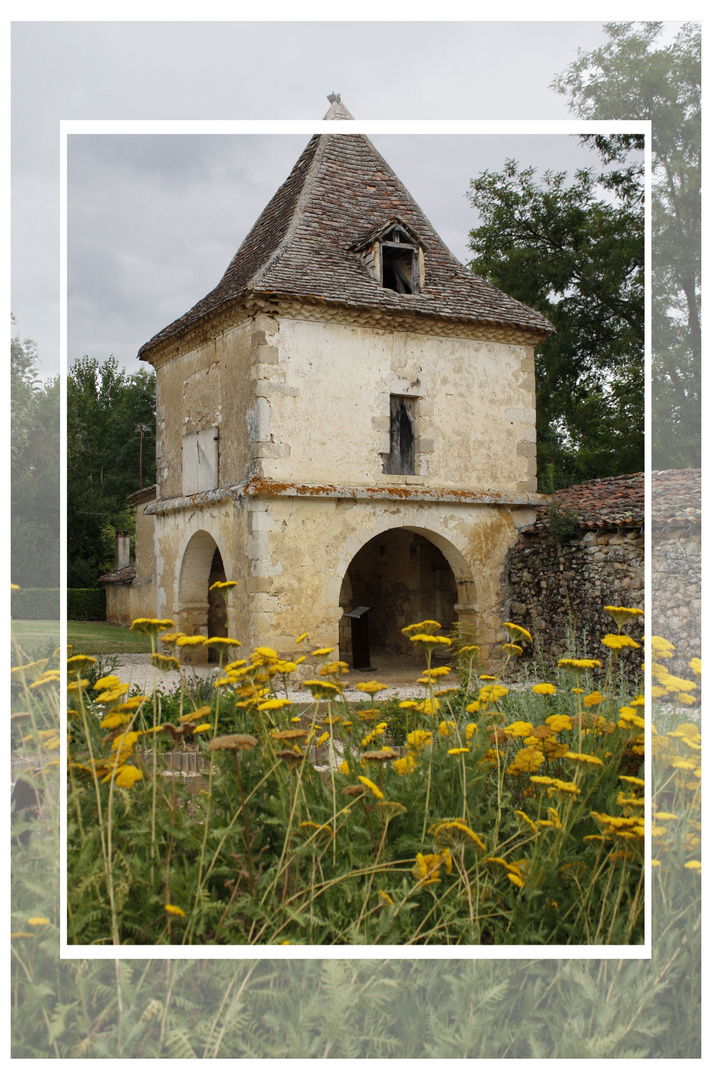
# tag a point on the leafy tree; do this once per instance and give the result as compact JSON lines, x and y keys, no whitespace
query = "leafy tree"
{"x":633,"y":77}
{"x":573,"y":250}
{"x":105,"y":407}
{"x":34,"y":470}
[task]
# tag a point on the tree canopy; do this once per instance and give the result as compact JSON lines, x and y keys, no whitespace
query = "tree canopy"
{"x":573,"y":250}
{"x":34,"y":470}
{"x":633,"y":76}
{"x":105,"y":407}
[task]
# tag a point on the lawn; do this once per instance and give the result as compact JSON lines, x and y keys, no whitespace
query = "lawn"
{"x":38,"y":636}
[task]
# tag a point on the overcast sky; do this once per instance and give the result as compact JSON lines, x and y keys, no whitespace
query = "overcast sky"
{"x":154,"y":220}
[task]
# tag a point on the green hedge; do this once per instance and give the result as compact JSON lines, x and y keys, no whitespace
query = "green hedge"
{"x":86,"y":604}
{"x":35,"y":603}
{"x":82,"y":604}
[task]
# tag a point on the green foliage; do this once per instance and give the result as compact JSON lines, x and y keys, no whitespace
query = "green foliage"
{"x":35,"y":604}
{"x":34,"y":469}
{"x":563,"y":522}
{"x":633,"y":75}
{"x":559,"y":247}
{"x":86,"y":604}
{"x":347,"y":1007}
{"x":104,"y":409}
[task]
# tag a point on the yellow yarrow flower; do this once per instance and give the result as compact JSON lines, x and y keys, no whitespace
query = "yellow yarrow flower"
{"x":371,"y":786}
{"x":544,"y":688}
{"x":517,"y":633}
{"x":173,"y":909}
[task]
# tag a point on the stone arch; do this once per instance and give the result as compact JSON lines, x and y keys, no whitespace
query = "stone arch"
{"x":404,"y":574}
{"x":202,"y":563}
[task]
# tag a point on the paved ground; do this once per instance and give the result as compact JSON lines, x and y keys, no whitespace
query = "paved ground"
{"x":399,"y":674}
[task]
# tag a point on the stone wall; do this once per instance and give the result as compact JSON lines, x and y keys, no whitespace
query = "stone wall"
{"x":558,"y":591}
{"x":677,"y":604}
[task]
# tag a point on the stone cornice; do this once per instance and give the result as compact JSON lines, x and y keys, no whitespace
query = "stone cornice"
{"x":311,"y":309}
{"x":395,"y":494}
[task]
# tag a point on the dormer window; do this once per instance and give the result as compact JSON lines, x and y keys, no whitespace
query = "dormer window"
{"x":393,"y":255}
{"x":399,"y":264}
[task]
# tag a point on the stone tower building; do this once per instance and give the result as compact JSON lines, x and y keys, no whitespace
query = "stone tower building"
{"x":347,"y":420}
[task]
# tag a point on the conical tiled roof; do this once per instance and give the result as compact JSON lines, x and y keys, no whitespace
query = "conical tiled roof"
{"x":303,"y":244}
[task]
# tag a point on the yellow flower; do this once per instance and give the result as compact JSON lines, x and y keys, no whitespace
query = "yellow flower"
{"x":405,"y":765}
{"x":384,"y":897}
{"x":593,"y":699}
{"x":470,"y":730}
{"x":622,"y":615}
{"x":527,"y":760}
{"x":429,"y":626}
{"x":511,"y":649}
{"x":446,"y":728}
{"x":544,"y":688}
{"x":300,"y":639}
{"x":455,"y":826}
{"x":370,"y":687}
{"x":273,"y":703}
{"x":344,"y":768}
{"x":223,"y":586}
{"x":164,"y":663}
{"x":519,"y":729}
{"x":323,"y":652}
{"x":696,"y":666}
{"x":37,"y":920}
{"x":431,"y":639}
{"x":335,"y":667}
{"x":126,"y":776}
{"x":371,"y":786}
{"x":173,"y":909}
{"x":76,"y":665}
{"x":693,"y":864}
{"x":109,"y":682}
{"x":584,"y":759}
{"x":517,"y":633}
{"x":660,"y":648}
{"x":427,"y":867}
{"x":113,"y":693}
{"x":459,"y":750}
{"x":322,"y":690}
{"x":419,"y":738}
{"x":572,"y":664}
{"x":616,"y":642}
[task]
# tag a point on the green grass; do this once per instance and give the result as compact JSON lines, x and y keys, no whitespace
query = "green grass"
{"x":40,"y":636}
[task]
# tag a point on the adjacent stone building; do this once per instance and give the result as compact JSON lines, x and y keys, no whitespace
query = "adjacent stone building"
{"x":589,"y":552}
{"x":347,"y":420}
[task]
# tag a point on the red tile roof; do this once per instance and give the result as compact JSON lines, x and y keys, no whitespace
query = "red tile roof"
{"x":620,"y":500}
{"x":303,"y":244}
{"x":123,"y":576}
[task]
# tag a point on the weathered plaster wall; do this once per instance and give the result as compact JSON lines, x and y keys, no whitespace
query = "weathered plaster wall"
{"x":303,"y":548}
{"x":555,"y":590}
{"x":211,"y":384}
{"x":475,"y":420}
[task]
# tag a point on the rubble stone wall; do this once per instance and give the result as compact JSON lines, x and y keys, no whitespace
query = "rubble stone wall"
{"x":558,"y":591}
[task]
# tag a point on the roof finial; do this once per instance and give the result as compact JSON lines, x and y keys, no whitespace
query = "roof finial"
{"x":337,"y":110}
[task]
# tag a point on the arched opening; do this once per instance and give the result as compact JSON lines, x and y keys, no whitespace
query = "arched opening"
{"x":202,"y":611}
{"x":402,"y":577}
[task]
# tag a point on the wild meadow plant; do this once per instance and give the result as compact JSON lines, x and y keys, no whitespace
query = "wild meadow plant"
{"x":507,"y":815}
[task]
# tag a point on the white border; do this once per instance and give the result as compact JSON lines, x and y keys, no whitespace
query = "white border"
{"x":365,"y":127}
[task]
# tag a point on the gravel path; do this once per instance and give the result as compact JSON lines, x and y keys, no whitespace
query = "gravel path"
{"x":400,"y":678}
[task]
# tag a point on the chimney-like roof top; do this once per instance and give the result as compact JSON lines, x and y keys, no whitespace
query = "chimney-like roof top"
{"x":302,"y":244}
